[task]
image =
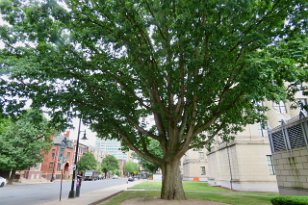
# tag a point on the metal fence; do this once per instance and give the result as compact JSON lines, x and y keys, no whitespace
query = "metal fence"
{"x":291,"y":134}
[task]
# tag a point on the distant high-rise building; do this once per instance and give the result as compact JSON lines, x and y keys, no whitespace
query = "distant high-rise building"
{"x":110,"y":147}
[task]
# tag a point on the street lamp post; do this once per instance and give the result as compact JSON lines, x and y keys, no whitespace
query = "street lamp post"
{"x":64,"y":144}
{"x":53,"y":170}
{"x":72,"y":191}
{"x":229,"y":167}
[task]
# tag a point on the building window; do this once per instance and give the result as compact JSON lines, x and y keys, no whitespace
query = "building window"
{"x":53,"y":154}
{"x":280,"y":107}
{"x":201,"y":155}
{"x":68,"y":155}
{"x":202,"y":170}
{"x":270,"y":164}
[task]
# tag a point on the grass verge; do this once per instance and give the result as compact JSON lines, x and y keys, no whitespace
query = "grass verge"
{"x":195,"y":190}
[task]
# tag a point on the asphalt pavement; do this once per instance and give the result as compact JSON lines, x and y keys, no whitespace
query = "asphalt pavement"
{"x":48,"y":193}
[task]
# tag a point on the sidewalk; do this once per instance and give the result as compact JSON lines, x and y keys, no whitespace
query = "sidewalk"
{"x":94,"y":197}
{"x":31,"y":181}
{"x":23,"y":181}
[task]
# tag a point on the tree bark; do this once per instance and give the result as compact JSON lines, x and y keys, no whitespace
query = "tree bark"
{"x":172,"y":187}
{"x":11,"y":176}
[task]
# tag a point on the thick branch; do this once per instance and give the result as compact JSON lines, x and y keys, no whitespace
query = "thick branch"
{"x":190,"y":133}
{"x":154,"y":17}
{"x":145,"y":132}
{"x":146,"y":156}
{"x":180,"y":104}
{"x":217,"y":114}
{"x":209,"y":138}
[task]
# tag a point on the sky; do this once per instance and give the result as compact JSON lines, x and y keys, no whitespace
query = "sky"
{"x":91,"y":136}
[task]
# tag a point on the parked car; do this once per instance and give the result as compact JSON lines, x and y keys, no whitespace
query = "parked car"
{"x":115,"y":177}
{"x":2,"y":182}
{"x":130,"y":179}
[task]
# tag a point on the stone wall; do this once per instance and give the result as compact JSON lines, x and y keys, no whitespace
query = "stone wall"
{"x":192,"y":163}
{"x":248,"y":169}
{"x":292,"y":171}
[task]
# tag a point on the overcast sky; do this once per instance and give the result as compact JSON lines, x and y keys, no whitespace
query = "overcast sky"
{"x":90,"y":135}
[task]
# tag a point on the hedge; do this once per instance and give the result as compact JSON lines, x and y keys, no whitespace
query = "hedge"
{"x":290,"y":200}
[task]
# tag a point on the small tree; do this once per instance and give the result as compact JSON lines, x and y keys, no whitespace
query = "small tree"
{"x":148,"y":166}
{"x":87,"y":162}
{"x":23,"y":142}
{"x":131,"y":168}
{"x":109,"y":164}
{"x":155,"y":149}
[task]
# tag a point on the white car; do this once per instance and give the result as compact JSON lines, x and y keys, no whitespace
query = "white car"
{"x":2,"y":182}
{"x":115,"y":177}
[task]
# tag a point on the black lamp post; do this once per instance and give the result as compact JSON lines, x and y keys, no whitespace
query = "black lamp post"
{"x":72,"y":191}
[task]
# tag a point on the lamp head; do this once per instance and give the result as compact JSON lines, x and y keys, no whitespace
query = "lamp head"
{"x":84,"y":137}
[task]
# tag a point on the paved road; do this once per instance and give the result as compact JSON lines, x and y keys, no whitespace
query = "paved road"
{"x":36,"y":194}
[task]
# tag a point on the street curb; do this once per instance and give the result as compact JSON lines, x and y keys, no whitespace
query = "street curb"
{"x":106,"y":198}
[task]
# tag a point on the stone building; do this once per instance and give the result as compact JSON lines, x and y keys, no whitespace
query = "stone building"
{"x":289,"y":144}
{"x":194,"y":165}
{"x":245,"y":163}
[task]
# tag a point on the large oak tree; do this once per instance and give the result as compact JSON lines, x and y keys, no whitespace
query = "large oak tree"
{"x":194,"y":68}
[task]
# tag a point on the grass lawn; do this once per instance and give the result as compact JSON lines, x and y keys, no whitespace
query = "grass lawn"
{"x":196,"y":190}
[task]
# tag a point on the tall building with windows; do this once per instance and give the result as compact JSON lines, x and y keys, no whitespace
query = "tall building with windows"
{"x":245,"y":163}
{"x":110,"y":147}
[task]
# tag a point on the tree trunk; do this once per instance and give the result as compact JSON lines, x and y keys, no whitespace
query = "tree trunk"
{"x":172,"y":187}
{"x":11,"y":177}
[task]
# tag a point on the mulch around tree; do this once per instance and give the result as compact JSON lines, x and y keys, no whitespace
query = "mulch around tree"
{"x":147,"y":201}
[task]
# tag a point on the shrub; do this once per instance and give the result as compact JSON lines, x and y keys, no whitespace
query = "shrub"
{"x":290,"y":200}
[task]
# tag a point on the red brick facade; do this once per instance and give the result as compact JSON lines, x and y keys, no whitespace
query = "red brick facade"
{"x":59,"y":157}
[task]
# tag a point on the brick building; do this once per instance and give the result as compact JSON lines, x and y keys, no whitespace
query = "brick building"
{"x":59,"y":157}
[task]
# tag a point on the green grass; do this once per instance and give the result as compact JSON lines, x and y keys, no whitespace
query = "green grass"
{"x":196,"y":190}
